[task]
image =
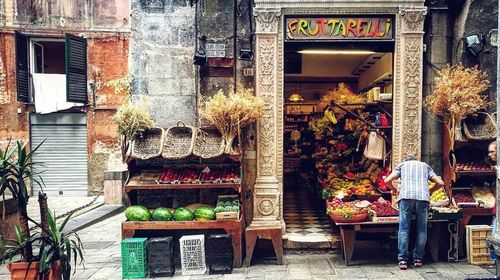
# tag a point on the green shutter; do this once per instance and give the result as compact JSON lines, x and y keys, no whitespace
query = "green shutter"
{"x":76,"y":69}
{"x":22,"y":68}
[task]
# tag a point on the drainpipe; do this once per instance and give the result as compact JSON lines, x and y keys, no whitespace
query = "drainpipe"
{"x":494,"y":241}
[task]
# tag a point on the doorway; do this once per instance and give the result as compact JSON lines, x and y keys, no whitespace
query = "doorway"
{"x":324,"y":143}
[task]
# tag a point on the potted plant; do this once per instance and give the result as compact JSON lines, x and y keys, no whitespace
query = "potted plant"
{"x":15,"y":174}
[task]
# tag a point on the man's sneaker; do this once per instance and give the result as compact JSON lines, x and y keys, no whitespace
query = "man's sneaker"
{"x":403,"y":265}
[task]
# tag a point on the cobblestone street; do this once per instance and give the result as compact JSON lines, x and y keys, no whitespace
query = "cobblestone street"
{"x":102,"y":261}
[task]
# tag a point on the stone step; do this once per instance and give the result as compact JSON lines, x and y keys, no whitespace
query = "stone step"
{"x":291,"y":241}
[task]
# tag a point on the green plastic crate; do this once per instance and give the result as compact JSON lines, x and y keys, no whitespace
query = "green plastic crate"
{"x":134,"y":258}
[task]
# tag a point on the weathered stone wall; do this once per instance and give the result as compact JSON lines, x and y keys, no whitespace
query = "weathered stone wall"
{"x":162,"y":49}
{"x":77,"y":15}
{"x":476,"y":17}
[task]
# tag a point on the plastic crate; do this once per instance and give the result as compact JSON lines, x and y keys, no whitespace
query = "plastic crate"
{"x":220,"y":264}
{"x":219,"y":245}
{"x":192,"y":249}
{"x":134,"y":258}
{"x":477,"y":252}
{"x":161,"y":257}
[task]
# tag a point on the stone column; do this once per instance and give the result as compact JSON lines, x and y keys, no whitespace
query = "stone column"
{"x":266,"y":194}
{"x":408,"y":97}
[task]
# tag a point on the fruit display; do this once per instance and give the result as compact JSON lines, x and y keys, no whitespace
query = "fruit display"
{"x":189,"y":176}
{"x":439,"y":198}
{"x":211,"y":176}
{"x":484,"y":196}
{"x":169,"y":175}
{"x":228,"y":204}
{"x":383,"y":208}
{"x":183,"y":214}
{"x":230,"y":175}
{"x":162,"y":214}
{"x":137,"y":213}
{"x":464,"y":199}
{"x":204,"y":213}
{"x":349,"y":213}
{"x":473,"y":166}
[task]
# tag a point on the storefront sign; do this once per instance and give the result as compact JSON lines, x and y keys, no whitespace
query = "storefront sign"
{"x":215,"y":50}
{"x":339,"y":28}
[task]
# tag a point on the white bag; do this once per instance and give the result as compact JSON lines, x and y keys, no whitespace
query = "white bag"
{"x":375,"y":148}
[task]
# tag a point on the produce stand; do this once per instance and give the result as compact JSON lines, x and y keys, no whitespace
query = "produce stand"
{"x":148,"y":177}
{"x":348,"y":233}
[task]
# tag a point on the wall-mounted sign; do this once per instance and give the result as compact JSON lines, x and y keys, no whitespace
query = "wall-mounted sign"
{"x":339,"y":28}
{"x":215,"y":50}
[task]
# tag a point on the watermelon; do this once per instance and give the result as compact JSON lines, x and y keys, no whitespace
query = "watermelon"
{"x":162,"y":214}
{"x":137,"y":213}
{"x":183,"y":214}
{"x":204,"y":213}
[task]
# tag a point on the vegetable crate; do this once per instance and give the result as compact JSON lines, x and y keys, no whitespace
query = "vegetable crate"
{"x":134,"y":258}
{"x":193,"y":254}
{"x":228,"y":207}
{"x":219,"y":252}
{"x":477,"y":252}
{"x":161,"y":257}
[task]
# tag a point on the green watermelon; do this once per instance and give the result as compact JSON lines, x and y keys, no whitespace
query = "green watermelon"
{"x":183,"y":214}
{"x":204,"y":213}
{"x":162,"y":214}
{"x":137,"y":213}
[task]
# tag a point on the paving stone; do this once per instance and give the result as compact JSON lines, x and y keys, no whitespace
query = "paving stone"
{"x":283,"y":275}
{"x":234,"y":276}
{"x":320,"y":266}
{"x":324,"y":277}
{"x":204,"y":276}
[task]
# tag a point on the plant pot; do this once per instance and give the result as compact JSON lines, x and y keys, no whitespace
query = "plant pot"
{"x":18,"y":271}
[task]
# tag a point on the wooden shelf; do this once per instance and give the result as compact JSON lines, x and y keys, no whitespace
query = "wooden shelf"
{"x":174,"y":225}
{"x":148,"y":185}
{"x":475,"y":173}
{"x":478,"y":211}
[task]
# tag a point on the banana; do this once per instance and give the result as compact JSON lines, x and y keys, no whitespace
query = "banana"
{"x":330,"y":116}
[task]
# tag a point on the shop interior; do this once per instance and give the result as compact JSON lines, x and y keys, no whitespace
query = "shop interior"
{"x":336,"y":95}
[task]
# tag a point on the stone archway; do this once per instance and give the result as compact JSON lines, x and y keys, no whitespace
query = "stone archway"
{"x":407,"y":95}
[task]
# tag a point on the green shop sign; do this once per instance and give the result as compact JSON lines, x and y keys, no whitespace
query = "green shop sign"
{"x":339,"y":28}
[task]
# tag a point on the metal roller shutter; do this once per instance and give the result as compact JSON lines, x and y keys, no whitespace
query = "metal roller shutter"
{"x":62,"y":159}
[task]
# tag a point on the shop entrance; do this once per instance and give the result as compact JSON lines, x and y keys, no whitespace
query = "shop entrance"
{"x":336,"y":94}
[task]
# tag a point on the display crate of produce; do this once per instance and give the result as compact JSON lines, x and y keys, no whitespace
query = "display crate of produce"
{"x":169,"y":176}
{"x":477,"y":252}
{"x":228,"y":207}
{"x":382,"y":211}
{"x":210,"y":175}
{"x":190,"y":176}
{"x":193,"y":254}
{"x":134,"y":258}
{"x":230,"y":175}
{"x":464,"y":199}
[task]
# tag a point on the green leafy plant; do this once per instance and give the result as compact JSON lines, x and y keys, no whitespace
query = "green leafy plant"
{"x":59,"y":245}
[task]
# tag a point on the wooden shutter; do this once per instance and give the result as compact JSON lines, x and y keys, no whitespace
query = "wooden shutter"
{"x":76,"y":69}
{"x":22,"y":68}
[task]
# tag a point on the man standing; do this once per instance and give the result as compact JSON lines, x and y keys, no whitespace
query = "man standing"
{"x":413,"y":196}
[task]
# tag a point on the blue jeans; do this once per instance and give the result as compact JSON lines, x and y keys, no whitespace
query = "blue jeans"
{"x":406,"y":208}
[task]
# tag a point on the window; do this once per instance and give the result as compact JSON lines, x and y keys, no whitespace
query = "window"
{"x":66,"y":56}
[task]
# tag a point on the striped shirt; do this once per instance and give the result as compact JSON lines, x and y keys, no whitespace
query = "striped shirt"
{"x":414,"y":175}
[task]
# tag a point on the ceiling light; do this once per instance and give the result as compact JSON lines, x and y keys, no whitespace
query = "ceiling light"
{"x":296,"y":98}
{"x":342,"y":52}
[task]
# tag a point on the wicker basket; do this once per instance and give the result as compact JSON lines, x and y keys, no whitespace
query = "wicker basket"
{"x":179,"y":141}
{"x":481,"y":126}
{"x":148,"y":144}
{"x":208,"y":143}
{"x":354,"y":218}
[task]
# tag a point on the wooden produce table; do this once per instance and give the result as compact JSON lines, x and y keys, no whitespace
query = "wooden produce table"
{"x":233,"y":227}
{"x":348,"y":233}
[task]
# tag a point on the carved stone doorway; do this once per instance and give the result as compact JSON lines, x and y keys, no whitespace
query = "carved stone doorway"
{"x":407,"y":87}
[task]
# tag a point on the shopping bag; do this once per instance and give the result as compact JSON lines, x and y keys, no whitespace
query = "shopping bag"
{"x":375,"y":148}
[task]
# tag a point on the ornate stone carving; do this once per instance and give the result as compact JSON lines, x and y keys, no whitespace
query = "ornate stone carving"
{"x":267,"y":21}
{"x":412,"y":96}
{"x":266,"y":89}
{"x":413,"y":19}
{"x":266,"y":207}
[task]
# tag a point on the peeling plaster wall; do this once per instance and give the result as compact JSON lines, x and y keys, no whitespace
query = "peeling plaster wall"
{"x":162,"y":49}
{"x":77,"y":14}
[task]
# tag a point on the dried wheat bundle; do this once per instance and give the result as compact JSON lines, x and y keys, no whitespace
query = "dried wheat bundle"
{"x":230,"y":112}
{"x":341,"y":95}
{"x":458,"y":92}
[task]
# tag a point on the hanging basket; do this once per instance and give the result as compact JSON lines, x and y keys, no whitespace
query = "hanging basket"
{"x":480,"y":126}
{"x":208,"y":143}
{"x":179,"y":141}
{"x":148,"y":144}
